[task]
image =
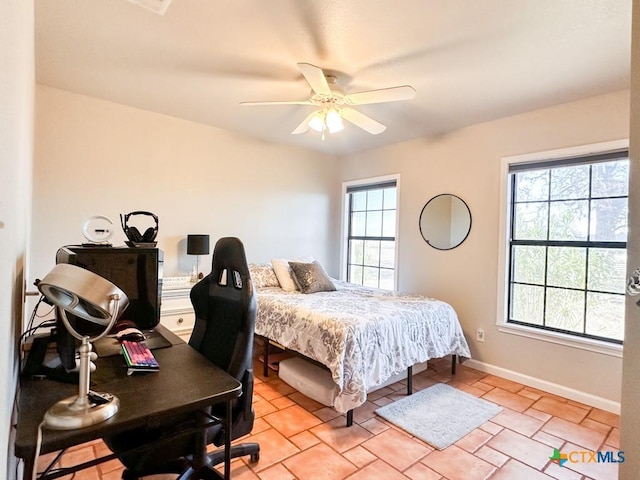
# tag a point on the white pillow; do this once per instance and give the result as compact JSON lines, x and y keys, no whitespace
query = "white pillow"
{"x":284,"y":273}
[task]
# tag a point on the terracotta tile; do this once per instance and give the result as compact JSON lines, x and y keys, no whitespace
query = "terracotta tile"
{"x":613,"y":439}
{"x":319,"y":463}
{"x":117,"y":475}
{"x":544,"y":437}
{"x":597,"y":426}
{"x":473,"y":440}
{"x":381,"y":392}
{"x":365,"y":412}
{"x":454,"y":463}
{"x":468,"y":375}
{"x":519,"y":447}
{"x":259,"y":425}
{"x":420,"y":471}
{"x":420,"y":383}
{"x":605,"y":417}
{"x":542,"y":393}
{"x":515,"y":470}
{"x":532,"y":395}
{"x":375,"y":426}
{"x":282,"y":402}
{"x":306,"y":402}
{"x":326,"y":413}
{"x":273,"y":388}
{"x":273,"y":449}
{"x":277,"y":472}
{"x":263,"y":407}
{"x":537,"y":414}
{"x":596,"y":471}
{"x":359,"y":456}
{"x":492,"y":456}
{"x":470,"y":389}
{"x":337,"y":435}
{"x":304,"y":440}
{"x":491,"y":427}
{"x":508,"y":399}
{"x":574,"y":433}
{"x":502,"y":383}
{"x":396,"y":449}
{"x":378,"y":470}
{"x":292,"y":420}
{"x":483,"y":386}
{"x":382,"y":401}
{"x":561,"y":473}
{"x":239,"y":471}
{"x":518,"y":422}
{"x":560,"y":409}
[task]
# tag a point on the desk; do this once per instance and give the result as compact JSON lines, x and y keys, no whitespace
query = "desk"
{"x":178,"y":387}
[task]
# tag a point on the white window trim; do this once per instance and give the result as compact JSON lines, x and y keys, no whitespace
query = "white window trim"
{"x":345,"y":222}
{"x":505,"y":213}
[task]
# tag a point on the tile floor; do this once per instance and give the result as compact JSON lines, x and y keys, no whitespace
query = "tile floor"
{"x":302,"y":439}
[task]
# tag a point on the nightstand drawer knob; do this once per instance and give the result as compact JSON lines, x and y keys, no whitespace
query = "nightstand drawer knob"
{"x":180,"y":320}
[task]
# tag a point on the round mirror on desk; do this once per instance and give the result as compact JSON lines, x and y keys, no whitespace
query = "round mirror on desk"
{"x":445,"y":221}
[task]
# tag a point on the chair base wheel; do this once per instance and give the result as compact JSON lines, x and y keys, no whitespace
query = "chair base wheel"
{"x":254,"y":457}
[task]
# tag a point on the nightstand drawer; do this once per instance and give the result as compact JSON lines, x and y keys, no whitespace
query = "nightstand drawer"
{"x":178,"y":321}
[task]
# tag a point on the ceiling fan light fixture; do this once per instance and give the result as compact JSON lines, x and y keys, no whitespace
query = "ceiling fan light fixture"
{"x":334,"y":121}
{"x":317,"y":121}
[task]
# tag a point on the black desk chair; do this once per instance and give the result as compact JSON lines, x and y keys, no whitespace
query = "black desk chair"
{"x":225,"y":307}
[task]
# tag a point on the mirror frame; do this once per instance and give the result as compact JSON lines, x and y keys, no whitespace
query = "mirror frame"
{"x":423,"y":211}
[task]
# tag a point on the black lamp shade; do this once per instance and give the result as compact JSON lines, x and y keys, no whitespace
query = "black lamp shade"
{"x":197,"y":244}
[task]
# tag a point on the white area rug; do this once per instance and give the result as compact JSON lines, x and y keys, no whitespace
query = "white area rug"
{"x":440,"y":415}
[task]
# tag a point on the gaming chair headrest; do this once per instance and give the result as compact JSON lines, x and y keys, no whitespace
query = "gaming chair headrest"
{"x":133,"y":234}
{"x":229,"y":256}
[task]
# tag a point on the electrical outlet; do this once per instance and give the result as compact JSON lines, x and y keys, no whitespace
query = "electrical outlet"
{"x":480,"y":335}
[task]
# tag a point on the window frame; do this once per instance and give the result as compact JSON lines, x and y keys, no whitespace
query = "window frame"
{"x":344,"y":250}
{"x":566,"y":339}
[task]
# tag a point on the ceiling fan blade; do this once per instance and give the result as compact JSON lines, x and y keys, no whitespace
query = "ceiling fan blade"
{"x":304,"y":126}
{"x":315,"y":77}
{"x":392,"y":94}
{"x":363,"y":121}
{"x":301,"y":102}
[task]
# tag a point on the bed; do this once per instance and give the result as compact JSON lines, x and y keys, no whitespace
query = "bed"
{"x":362,"y":335}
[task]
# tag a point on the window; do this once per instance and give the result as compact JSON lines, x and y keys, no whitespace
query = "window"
{"x":370,"y":221}
{"x":566,"y":251}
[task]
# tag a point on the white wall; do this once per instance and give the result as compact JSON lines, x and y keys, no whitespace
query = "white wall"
{"x":97,"y":157}
{"x":630,"y":433}
{"x":17,"y":81}
{"x":467,"y":163}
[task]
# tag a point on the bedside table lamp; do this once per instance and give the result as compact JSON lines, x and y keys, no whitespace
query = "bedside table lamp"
{"x":198,"y":245}
{"x":95,"y":299}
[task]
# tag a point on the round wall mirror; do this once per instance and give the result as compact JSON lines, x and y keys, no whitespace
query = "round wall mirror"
{"x":445,"y":221}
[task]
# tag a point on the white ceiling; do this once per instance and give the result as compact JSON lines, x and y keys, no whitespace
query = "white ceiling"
{"x":469,"y":60}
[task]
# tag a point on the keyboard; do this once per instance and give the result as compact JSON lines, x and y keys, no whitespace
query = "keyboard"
{"x":138,"y":357}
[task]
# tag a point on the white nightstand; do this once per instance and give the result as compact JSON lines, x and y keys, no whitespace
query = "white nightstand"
{"x":176,"y":312}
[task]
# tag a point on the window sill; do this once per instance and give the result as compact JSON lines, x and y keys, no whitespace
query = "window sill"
{"x":596,"y":346}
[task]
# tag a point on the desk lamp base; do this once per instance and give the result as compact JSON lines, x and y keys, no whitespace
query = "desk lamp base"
{"x":76,"y":412}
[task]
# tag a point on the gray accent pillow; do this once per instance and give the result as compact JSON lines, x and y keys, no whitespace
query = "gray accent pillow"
{"x":311,"y":277}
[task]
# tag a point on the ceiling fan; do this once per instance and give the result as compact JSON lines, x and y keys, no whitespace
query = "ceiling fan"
{"x":334,"y":104}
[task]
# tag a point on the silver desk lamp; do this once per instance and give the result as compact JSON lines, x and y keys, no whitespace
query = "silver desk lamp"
{"x":93,"y":298}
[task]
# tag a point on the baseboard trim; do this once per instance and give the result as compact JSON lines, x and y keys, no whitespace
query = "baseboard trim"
{"x":556,"y":389}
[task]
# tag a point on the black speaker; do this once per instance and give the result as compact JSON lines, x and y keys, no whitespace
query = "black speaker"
{"x":133,"y":234}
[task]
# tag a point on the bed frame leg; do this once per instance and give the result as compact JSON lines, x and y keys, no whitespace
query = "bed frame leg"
{"x":454,"y":359}
{"x":410,"y":380}
{"x":265,"y":368}
{"x":350,"y":418}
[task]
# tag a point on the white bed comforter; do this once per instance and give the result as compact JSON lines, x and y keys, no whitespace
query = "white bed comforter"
{"x":363,"y":335}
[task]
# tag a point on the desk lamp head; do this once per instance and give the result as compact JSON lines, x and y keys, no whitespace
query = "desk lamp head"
{"x":92,"y":298}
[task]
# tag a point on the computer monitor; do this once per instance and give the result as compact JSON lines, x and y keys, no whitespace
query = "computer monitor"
{"x":136,"y":271}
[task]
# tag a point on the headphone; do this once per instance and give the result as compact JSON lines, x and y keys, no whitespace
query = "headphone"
{"x":133,"y":234}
